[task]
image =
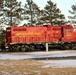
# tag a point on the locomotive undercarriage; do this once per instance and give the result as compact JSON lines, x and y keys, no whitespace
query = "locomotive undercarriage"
{"x":35,"y":47}
{"x":25,"y":47}
{"x":69,"y":46}
{"x":63,"y":46}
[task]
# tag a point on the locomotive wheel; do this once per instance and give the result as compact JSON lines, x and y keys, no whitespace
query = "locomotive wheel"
{"x":42,"y":47}
{"x":38,"y":47}
{"x":67,"y":46}
{"x":62,"y":47}
{"x":73,"y":47}
{"x":11,"y":48}
{"x":26,"y":48}
{"x":18,"y":48}
{"x":32,"y":48}
{"x":22,"y":48}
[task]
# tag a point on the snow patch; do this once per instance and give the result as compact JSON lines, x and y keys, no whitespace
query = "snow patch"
{"x":33,"y":55}
{"x":59,"y":63}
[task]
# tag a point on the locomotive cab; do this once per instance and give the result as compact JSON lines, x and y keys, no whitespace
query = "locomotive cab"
{"x":67,"y":33}
{"x":68,"y":39}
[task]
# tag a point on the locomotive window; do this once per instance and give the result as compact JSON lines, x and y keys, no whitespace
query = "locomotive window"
{"x":68,"y":30}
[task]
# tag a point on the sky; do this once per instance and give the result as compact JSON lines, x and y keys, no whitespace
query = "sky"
{"x":63,"y":5}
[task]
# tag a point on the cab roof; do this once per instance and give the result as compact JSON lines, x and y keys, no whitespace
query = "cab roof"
{"x":67,"y":26}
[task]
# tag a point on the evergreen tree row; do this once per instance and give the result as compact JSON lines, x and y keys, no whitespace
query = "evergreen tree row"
{"x":13,"y":13}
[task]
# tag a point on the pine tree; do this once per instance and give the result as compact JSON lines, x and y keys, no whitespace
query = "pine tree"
{"x":52,"y":14}
{"x":72,"y":17}
{"x":32,"y":13}
{"x":1,"y":4}
{"x":1,"y":13}
{"x":12,"y":12}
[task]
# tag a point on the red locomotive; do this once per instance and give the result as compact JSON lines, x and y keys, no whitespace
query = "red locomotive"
{"x":24,"y":38}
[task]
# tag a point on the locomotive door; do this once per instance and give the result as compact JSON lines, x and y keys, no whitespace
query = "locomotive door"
{"x":67,"y":34}
{"x":56,"y":34}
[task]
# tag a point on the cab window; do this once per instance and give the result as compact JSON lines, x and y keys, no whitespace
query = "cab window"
{"x":68,"y":31}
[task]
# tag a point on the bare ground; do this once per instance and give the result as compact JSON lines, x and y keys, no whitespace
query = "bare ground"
{"x":31,"y":67}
